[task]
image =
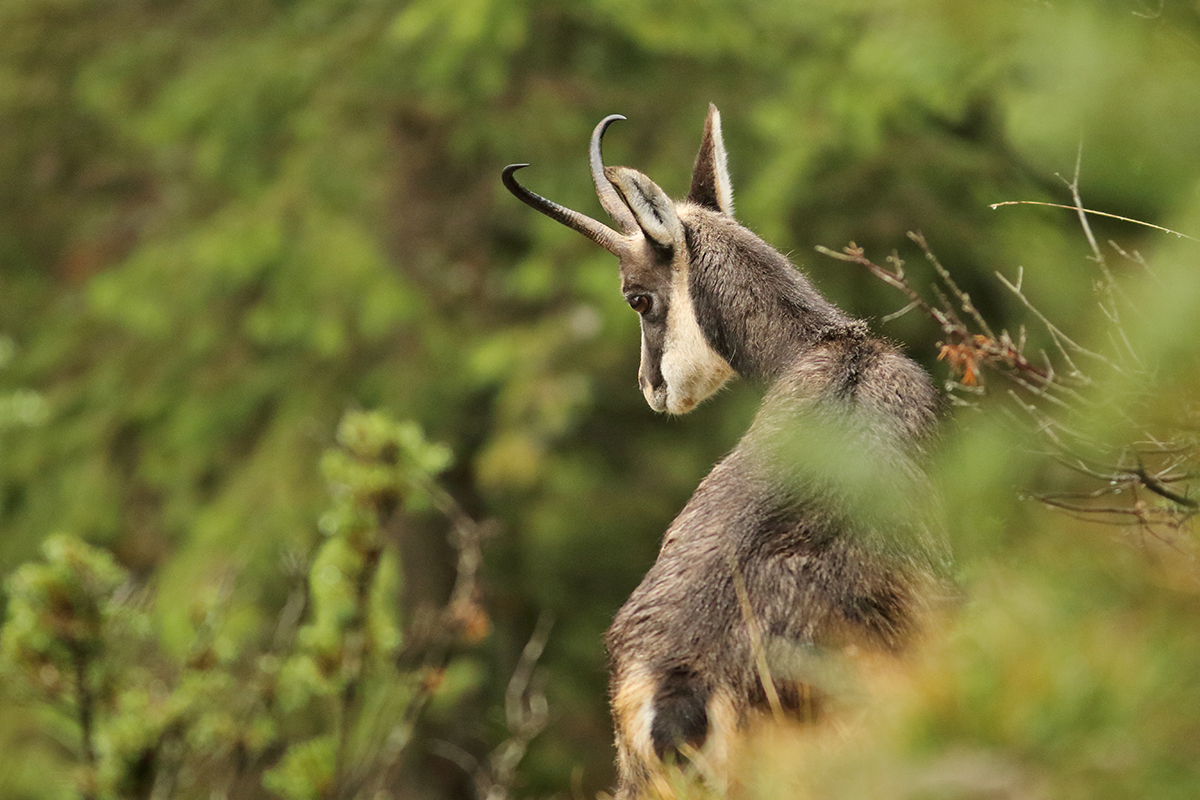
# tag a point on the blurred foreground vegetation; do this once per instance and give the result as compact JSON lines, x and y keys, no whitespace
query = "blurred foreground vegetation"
{"x":255,"y":261}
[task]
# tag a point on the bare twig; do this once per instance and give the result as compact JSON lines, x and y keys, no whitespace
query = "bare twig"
{"x":526,"y":712}
{"x":1073,"y":186}
{"x":967,"y":349}
{"x":965,"y":299}
{"x":1050,"y":393}
{"x":1093,"y":212}
{"x":1059,"y":337}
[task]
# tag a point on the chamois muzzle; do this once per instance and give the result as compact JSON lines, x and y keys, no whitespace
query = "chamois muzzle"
{"x":610,"y":199}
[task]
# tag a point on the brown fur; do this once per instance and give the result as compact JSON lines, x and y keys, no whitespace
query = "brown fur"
{"x":811,"y":541}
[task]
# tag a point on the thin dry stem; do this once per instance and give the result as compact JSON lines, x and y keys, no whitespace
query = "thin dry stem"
{"x":1095,"y":213}
{"x":756,"y":643}
{"x":1049,"y":393}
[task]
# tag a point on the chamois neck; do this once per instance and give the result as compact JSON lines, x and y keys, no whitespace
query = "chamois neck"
{"x":798,"y":336}
{"x":755,"y":308}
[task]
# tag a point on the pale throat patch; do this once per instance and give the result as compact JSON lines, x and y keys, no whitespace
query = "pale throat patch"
{"x":691,"y":369}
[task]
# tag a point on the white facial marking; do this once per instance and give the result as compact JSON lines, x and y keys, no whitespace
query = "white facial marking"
{"x":691,"y":369}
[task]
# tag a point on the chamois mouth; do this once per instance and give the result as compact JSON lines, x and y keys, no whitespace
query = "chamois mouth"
{"x":680,"y":405}
{"x":657,"y":398}
{"x":664,"y":401}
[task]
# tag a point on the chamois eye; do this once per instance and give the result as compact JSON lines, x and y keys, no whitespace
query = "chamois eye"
{"x":640,"y":303}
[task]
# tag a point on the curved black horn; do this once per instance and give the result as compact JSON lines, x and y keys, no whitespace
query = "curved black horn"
{"x":609,"y":198}
{"x":598,"y":232}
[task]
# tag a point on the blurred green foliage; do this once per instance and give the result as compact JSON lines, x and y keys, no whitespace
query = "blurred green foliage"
{"x":317,"y":710}
{"x":224,"y":224}
{"x":59,"y":612}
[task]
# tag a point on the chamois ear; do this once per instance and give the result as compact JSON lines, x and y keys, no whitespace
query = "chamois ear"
{"x":710,"y":178}
{"x":653,"y":210}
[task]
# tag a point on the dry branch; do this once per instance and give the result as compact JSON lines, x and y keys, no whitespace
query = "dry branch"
{"x":1050,"y":396}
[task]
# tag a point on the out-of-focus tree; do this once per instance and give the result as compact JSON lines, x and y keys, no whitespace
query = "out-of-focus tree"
{"x":324,"y":709}
{"x":224,"y":224}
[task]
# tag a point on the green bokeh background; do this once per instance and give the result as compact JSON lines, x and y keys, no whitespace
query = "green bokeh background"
{"x":223,"y":224}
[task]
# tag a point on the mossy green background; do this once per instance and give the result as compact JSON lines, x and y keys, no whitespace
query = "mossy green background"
{"x":223,"y":224}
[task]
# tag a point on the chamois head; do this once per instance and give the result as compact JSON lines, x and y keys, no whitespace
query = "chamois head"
{"x":713,"y":297}
{"x":679,"y":367}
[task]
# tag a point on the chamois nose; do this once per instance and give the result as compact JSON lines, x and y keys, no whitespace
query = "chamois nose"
{"x":657,"y":398}
{"x":653,"y":385}
{"x":655,"y":395}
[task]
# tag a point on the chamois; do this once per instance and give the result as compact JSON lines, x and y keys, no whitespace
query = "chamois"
{"x":809,"y":540}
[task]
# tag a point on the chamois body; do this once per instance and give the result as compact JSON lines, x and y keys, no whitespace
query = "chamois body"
{"x":809,"y":539}
{"x":819,"y":575}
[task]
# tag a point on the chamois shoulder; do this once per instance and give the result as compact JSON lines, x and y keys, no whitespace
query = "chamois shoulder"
{"x":865,"y":376}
